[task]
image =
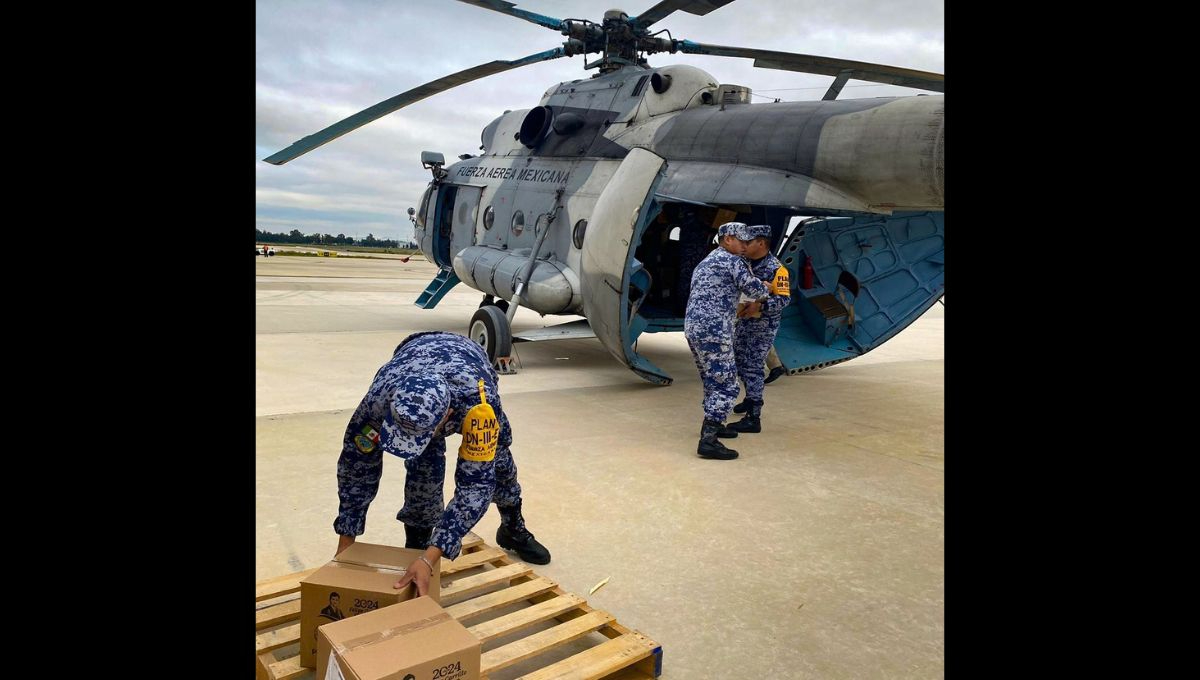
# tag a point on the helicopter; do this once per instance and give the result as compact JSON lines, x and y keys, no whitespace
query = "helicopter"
{"x":579,"y":205}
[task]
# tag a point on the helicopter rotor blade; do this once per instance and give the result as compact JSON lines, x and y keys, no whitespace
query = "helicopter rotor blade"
{"x":666,"y":7}
{"x":511,"y":10}
{"x":402,"y":100}
{"x":807,"y":63}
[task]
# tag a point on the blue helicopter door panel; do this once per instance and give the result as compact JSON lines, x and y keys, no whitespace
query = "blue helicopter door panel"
{"x":454,"y":221}
{"x":440,"y":229}
{"x":610,"y":272}
{"x":871,"y":276}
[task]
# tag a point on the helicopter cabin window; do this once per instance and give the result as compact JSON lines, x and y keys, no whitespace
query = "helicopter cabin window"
{"x":578,"y":232}
{"x":518,"y":223}
{"x":421,"y":214}
{"x":466,"y":214}
{"x":489,"y":216}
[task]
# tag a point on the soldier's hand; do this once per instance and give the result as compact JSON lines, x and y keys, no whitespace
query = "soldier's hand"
{"x":344,"y":542}
{"x":751,"y":310}
{"x":417,"y":573}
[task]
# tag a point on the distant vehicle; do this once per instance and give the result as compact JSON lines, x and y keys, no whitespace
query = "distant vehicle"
{"x":266,"y":251}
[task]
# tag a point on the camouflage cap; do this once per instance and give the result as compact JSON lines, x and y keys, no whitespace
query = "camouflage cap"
{"x":758,"y":231}
{"x":733,"y":229}
{"x":418,"y":405}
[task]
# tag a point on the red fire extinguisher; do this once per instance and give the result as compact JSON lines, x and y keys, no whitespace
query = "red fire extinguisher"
{"x":808,"y":273}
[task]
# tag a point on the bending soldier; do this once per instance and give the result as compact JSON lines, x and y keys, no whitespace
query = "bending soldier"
{"x":435,"y":384}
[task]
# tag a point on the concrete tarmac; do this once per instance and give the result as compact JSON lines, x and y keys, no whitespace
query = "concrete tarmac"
{"x":817,"y":554}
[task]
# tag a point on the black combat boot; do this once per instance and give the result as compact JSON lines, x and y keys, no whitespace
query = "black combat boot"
{"x":723,"y":433}
{"x":751,"y":423}
{"x":740,"y":408}
{"x":512,"y":535}
{"x":417,"y":538}
{"x":774,"y":375}
{"x":709,"y":446}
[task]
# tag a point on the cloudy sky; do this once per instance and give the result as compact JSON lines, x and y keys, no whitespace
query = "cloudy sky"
{"x":318,"y":61}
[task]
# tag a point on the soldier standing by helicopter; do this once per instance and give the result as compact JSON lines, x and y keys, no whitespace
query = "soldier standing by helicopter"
{"x":435,"y":384}
{"x":757,"y":324}
{"x":708,"y":326}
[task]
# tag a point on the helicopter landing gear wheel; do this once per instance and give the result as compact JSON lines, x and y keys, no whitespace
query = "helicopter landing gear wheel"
{"x":489,"y":328}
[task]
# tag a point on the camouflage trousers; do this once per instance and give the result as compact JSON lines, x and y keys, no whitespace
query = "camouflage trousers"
{"x":425,"y":475}
{"x":752,"y":340}
{"x":714,"y":359}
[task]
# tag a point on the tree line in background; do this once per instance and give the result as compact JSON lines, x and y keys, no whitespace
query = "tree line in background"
{"x":295,"y":237}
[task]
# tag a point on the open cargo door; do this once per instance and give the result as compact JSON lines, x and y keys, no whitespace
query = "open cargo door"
{"x":613,"y":281}
{"x":872,"y":276}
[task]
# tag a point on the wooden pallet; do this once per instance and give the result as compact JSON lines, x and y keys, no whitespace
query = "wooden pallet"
{"x":483,"y":580}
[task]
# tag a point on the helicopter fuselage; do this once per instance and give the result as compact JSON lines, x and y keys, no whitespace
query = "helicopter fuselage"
{"x":854,"y":156}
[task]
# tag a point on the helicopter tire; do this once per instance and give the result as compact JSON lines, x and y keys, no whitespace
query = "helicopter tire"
{"x":489,"y":328}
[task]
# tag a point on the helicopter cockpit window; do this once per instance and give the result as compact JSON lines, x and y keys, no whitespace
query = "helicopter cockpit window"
{"x":518,"y":223}
{"x":489,"y":216}
{"x":424,"y":207}
{"x":577,"y":233}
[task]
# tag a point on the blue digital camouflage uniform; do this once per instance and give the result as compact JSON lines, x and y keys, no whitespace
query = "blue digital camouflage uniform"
{"x":708,"y":324}
{"x":753,"y":337}
{"x":459,"y":364}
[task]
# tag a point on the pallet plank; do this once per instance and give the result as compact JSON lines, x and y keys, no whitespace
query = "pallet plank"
{"x":599,"y":661}
{"x":287,"y":669}
{"x":470,"y":561}
{"x":524,"y":618}
{"x":486,"y":603}
{"x":471,"y":540}
{"x":260,"y":665}
{"x":277,"y":614}
{"x":471,"y":584}
{"x":519,"y":650}
{"x":281,"y":585}
{"x":274,"y":639}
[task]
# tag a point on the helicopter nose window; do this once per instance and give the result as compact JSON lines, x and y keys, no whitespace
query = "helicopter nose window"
{"x":577,"y":234}
{"x":489,"y":216}
{"x":518,"y":223}
{"x":424,"y":207}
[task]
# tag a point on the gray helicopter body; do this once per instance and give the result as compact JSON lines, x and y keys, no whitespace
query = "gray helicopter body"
{"x":580,"y":205}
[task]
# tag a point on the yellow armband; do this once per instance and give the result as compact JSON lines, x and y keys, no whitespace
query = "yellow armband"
{"x":782,"y":283}
{"x":480,"y":431}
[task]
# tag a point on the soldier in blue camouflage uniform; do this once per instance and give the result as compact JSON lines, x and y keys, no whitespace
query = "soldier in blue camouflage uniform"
{"x":416,"y":399}
{"x":757,"y":325}
{"x":708,"y":326}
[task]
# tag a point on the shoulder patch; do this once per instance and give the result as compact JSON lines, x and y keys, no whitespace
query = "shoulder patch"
{"x":367,"y":440}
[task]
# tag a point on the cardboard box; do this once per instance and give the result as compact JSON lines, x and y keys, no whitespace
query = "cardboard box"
{"x":361,"y":577}
{"x":413,"y":640}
